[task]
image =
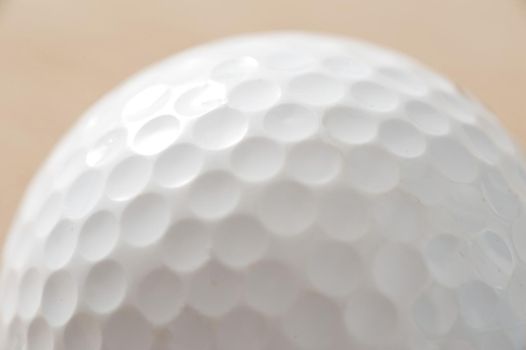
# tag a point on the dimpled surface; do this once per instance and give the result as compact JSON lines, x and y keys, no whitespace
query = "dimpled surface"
{"x":281,"y":191}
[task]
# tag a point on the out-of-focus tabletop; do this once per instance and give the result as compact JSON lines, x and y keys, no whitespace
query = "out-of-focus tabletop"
{"x":58,"y":57}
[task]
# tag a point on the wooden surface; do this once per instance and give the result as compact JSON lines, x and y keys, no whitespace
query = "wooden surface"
{"x":59,"y":56}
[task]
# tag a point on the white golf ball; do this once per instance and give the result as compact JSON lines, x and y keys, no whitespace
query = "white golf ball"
{"x":281,"y":191}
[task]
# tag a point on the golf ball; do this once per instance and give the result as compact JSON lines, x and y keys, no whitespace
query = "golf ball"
{"x":282,"y":191}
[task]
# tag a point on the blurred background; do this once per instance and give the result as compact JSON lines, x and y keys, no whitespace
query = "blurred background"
{"x":59,"y":56}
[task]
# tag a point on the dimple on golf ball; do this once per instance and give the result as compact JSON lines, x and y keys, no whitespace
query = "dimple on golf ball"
{"x":281,"y":191}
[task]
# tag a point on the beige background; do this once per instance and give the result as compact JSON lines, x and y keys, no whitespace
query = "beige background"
{"x":59,"y":56}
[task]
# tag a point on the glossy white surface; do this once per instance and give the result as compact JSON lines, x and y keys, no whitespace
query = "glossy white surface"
{"x":278,"y":191}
